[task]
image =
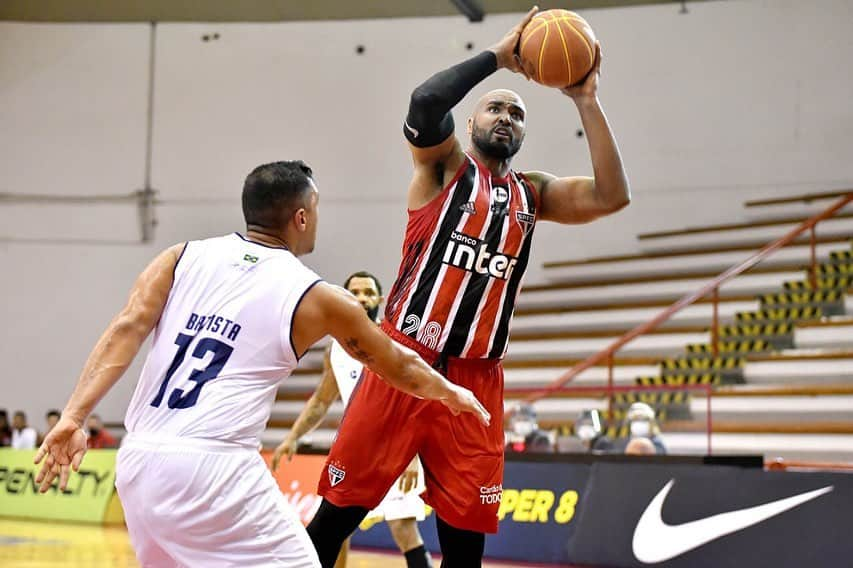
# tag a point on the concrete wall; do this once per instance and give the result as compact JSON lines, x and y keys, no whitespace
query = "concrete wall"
{"x":732,"y":101}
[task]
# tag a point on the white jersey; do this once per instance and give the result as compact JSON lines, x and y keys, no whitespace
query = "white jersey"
{"x":346,"y":369}
{"x":223,"y":342}
{"x":396,"y":504}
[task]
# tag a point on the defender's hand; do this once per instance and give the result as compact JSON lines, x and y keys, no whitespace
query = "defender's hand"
{"x":463,"y":400}
{"x":409,"y":479}
{"x":287,"y":447}
{"x":64,"y":448}
{"x":588,"y":88}
{"x":506,"y":49}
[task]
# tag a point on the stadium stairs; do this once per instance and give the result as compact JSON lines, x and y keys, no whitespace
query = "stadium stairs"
{"x":782,"y":380}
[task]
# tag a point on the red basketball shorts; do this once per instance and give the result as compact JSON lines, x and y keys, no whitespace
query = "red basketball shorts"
{"x":384,"y":428}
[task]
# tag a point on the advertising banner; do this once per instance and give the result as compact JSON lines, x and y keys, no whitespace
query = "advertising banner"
{"x":538,"y":512}
{"x":86,"y":499}
{"x":685,"y":516}
{"x":537,"y":515}
{"x":298,"y":482}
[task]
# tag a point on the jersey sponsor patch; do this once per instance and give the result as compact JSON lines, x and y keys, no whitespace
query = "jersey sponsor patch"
{"x":500,"y":200}
{"x":500,"y":194}
{"x":471,"y":254}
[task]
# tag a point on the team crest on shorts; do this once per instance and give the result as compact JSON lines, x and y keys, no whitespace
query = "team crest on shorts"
{"x":336,"y":475}
{"x":526,"y":220}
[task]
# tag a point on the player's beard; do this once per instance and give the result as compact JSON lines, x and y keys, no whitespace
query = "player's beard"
{"x":372,"y":313}
{"x":482,"y":139}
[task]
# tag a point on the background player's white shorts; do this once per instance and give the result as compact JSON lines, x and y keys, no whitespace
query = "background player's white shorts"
{"x":398,"y":505}
{"x":211,"y":504}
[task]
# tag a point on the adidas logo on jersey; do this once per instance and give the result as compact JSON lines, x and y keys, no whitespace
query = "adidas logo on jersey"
{"x":468,"y":208}
{"x":472,"y":255}
{"x":336,"y":475}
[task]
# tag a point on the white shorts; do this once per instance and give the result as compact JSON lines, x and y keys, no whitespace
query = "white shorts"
{"x":398,"y":505}
{"x":206,"y":503}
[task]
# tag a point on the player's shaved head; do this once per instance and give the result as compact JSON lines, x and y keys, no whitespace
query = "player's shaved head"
{"x":501,"y":95}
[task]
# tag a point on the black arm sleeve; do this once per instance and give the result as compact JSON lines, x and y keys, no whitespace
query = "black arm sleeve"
{"x":429,"y":121}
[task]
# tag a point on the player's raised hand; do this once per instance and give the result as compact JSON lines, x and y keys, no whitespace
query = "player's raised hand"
{"x":62,"y":450}
{"x":588,"y":88}
{"x":288,"y":448}
{"x":506,"y":49}
{"x":462,"y":400}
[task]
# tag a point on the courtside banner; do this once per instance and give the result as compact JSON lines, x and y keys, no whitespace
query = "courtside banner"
{"x":85,"y":500}
{"x":538,"y":512}
{"x":297,"y":480}
{"x":539,"y":501}
{"x":685,"y":516}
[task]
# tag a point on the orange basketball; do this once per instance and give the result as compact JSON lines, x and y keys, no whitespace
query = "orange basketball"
{"x":557,"y":48}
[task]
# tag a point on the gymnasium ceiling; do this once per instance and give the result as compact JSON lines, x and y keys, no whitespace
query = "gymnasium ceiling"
{"x":270,"y":10}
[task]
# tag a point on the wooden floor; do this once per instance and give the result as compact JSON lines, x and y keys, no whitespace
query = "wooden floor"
{"x":29,"y":544}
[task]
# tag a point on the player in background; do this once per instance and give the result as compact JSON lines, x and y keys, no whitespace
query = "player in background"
{"x":402,"y":507}
{"x":231,"y":316}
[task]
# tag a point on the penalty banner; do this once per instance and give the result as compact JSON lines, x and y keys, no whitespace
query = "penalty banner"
{"x":90,"y":496}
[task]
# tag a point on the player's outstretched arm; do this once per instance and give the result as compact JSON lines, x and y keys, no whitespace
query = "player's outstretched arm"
{"x":583,"y":199}
{"x":429,"y":126}
{"x":311,"y":416}
{"x":331,"y":310}
{"x":65,"y":445}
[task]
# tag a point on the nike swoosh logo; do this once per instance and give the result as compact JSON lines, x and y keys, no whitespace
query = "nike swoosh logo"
{"x":414,"y":132}
{"x":655,"y":541}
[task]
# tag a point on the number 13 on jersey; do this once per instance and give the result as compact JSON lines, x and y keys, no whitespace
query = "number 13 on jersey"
{"x":178,"y":398}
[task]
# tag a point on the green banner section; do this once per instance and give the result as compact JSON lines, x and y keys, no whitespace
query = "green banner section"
{"x":86,"y":499}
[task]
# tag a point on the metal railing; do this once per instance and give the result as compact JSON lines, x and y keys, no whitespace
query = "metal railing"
{"x":712,"y":288}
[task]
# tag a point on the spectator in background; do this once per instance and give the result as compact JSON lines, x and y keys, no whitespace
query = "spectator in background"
{"x":640,"y":447}
{"x":5,"y":430}
{"x":23,"y":437}
{"x":643,"y":424}
{"x":525,"y":435}
{"x":589,"y":428}
{"x":51,"y":418}
{"x":99,"y":438}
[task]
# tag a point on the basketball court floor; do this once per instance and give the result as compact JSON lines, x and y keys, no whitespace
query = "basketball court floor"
{"x":30,"y":544}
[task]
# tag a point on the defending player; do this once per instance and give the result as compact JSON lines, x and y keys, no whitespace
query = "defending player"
{"x":467,"y":244}
{"x":402,"y":507}
{"x":231,"y":317}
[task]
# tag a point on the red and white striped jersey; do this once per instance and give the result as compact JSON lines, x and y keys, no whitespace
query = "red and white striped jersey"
{"x":464,"y":256}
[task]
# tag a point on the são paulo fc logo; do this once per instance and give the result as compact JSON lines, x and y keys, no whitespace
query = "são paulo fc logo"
{"x":336,"y":475}
{"x":525,"y":220}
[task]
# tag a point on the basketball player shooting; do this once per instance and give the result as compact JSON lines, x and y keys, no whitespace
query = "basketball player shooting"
{"x":467,"y":244}
{"x":401,"y":507}
{"x":231,"y":316}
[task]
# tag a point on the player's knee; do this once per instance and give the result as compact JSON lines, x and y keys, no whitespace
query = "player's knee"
{"x":405,"y":533}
